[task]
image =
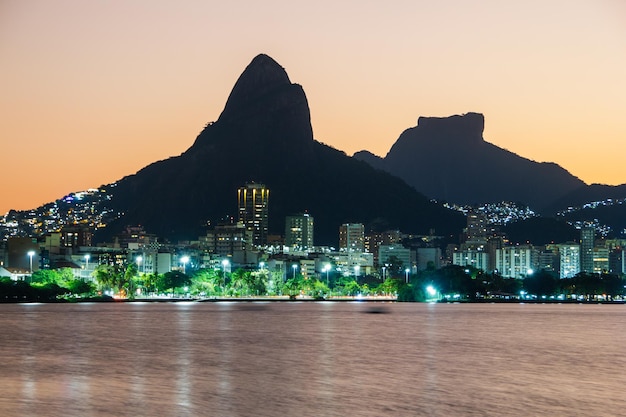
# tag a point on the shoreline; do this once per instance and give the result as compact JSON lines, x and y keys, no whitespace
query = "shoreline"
{"x":285,"y":299}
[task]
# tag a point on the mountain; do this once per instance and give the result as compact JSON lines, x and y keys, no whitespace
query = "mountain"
{"x":264,"y":135}
{"x":448,"y":159}
{"x":589,"y":193}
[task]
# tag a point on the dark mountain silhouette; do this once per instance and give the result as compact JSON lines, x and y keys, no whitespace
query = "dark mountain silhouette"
{"x":587,"y":194}
{"x":541,"y":231}
{"x":264,"y":135}
{"x":448,"y":159}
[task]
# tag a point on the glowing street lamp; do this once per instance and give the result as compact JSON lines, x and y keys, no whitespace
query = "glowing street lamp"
{"x":86,"y":257}
{"x":326,"y":269}
{"x":225,"y":263}
{"x":184,"y":260}
{"x":406,"y":274}
{"x":30,"y":254}
{"x":139,"y":259}
{"x":431,"y":291}
{"x":294,"y":267}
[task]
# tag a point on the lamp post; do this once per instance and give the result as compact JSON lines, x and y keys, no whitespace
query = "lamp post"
{"x":30,"y":254}
{"x":327,"y":270}
{"x":406,"y":274}
{"x":86,"y":257}
{"x":225,"y":263}
{"x":184,"y":260}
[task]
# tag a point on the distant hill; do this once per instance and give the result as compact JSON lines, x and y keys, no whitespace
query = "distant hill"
{"x":448,"y":159}
{"x":587,"y":194}
{"x":264,"y":135}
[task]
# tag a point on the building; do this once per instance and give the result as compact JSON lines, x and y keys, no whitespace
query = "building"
{"x":253,"y":212}
{"x":399,"y":252}
{"x":428,"y":257}
{"x":616,"y":261}
{"x":352,"y":237}
{"x":226,"y":239}
{"x":600,"y":260}
{"x":374,"y":240}
{"x":23,"y":253}
{"x":476,"y":230}
{"x":569,"y":257}
{"x":478,"y":259}
{"x":547,"y":259}
{"x":75,"y":236}
{"x":299,"y":231}
{"x":514,"y":261}
{"x":587,"y":243}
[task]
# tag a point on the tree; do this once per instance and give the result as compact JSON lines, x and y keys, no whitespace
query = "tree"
{"x":390,"y":286}
{"x":109,"y":277}
{"x":206,"y":282}
{"x":45,"y":276}
{"x":173,"y":280}
{"x":541,"y":283}
{"x":613,"y":285}
{"x":395,"y":266}
{"x":80,"y":287}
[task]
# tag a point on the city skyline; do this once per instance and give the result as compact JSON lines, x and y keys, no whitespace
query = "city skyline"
{"x":97,"y":92}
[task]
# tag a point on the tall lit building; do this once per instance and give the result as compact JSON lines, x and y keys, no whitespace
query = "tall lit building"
{"x":253,"y":210}
{"x":299,"y":231}
{"x":476,"y":230}
{"x":352,"y":237}
{"x":514,"y":261}
{"x":226,"y":239}
{"x":587,"y":239}
{"x":569,"y":260}
{"x":600,"y":260}
{"x":478,"y":259}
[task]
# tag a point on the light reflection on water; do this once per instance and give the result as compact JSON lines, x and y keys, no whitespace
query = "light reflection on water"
{"x":312,"y":359}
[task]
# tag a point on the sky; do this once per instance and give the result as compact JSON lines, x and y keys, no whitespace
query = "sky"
{"x":92,"y":91}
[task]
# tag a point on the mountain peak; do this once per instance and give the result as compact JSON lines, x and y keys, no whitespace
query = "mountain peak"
{"x":262,"y":76}
{"x":465,"y":126}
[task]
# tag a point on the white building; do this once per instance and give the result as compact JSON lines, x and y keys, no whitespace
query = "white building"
{"x":514,"y":261}
{"x":385,"y":252}
{"x":569,"y":255}
{"x":476,"y":258}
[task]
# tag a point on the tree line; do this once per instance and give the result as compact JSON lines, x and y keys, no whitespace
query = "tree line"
{"x":448,"y":283}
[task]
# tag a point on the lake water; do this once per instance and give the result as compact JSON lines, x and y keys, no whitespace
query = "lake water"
{"x":312,"y":359}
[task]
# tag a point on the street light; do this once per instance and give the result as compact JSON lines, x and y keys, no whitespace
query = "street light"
{"x":30,"y":254}
{"x":406,"y":273}
{"x":184,"y":260}
{"x":86,"y":257}
{"x":326,"y":269}
{"x":294,"y":266}
{"x":431,"y":291}
{"x":225,"y":263}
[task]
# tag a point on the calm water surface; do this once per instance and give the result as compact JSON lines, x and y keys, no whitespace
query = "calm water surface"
{"x":312,"y":359}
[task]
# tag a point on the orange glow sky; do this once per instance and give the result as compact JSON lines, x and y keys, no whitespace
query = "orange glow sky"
{"x":91,"y":91}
